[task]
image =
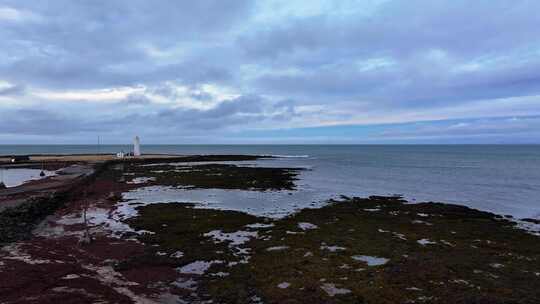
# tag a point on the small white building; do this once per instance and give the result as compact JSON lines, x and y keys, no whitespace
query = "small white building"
{"x":136,"y":146}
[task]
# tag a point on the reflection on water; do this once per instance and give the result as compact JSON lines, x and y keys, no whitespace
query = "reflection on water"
{"x":16,"y":177}
{"x":499,"y":179}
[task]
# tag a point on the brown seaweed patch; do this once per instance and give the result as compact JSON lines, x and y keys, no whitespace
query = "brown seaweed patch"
{"x":372,"y":267}
{"x":218,"y":176}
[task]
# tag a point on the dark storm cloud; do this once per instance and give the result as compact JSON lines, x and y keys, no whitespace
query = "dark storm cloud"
{"x":400,"y":56}
{"x":241,"y":110}
{"x":101,"y":43}
{"x":424,"y":43}
{"x":42,"y":122}
{"x":88,"y":44}
{"x":229,"y":113}
{"x":402,"y":28}
{"x":392,"y":86}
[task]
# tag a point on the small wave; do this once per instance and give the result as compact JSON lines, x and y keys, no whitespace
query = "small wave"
{"x":287,"y":156}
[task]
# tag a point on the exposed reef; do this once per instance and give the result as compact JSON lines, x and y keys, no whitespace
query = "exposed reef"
{"x":373,"y":250}
{"x":216,"y":176}
{"x":352,"y":250}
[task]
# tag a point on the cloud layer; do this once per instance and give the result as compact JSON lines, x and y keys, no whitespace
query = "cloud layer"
{"x":242,"y":71}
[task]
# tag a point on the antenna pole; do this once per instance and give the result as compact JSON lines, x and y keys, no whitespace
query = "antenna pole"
{"x":2,"y":184}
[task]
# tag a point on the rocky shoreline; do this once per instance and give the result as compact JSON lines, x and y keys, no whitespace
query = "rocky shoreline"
{"x":352,"y":250}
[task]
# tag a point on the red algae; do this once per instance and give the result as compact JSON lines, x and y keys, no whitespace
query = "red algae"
{"x":477,"y":257}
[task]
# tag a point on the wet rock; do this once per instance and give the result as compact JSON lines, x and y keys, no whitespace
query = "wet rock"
{"x":530,"y":220}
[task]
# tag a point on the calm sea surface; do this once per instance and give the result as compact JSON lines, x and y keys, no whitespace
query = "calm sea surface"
{"x":499,"y":178}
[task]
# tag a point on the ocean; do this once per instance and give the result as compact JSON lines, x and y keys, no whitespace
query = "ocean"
{"x":504,"y":179}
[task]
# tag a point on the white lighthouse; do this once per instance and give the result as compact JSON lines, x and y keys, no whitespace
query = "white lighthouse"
{"x":136,"y":146}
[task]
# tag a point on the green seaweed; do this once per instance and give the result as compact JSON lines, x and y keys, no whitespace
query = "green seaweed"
{"x":218,"y":176}
{"x":476,"y":257}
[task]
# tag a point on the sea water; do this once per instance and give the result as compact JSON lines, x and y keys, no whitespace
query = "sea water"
{"x":504,"y":179}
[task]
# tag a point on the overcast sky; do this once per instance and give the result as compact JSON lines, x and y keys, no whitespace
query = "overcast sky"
{"x":278,"y":71}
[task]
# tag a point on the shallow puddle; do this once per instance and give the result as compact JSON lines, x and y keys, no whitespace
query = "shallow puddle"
{"x":17,"y":177}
